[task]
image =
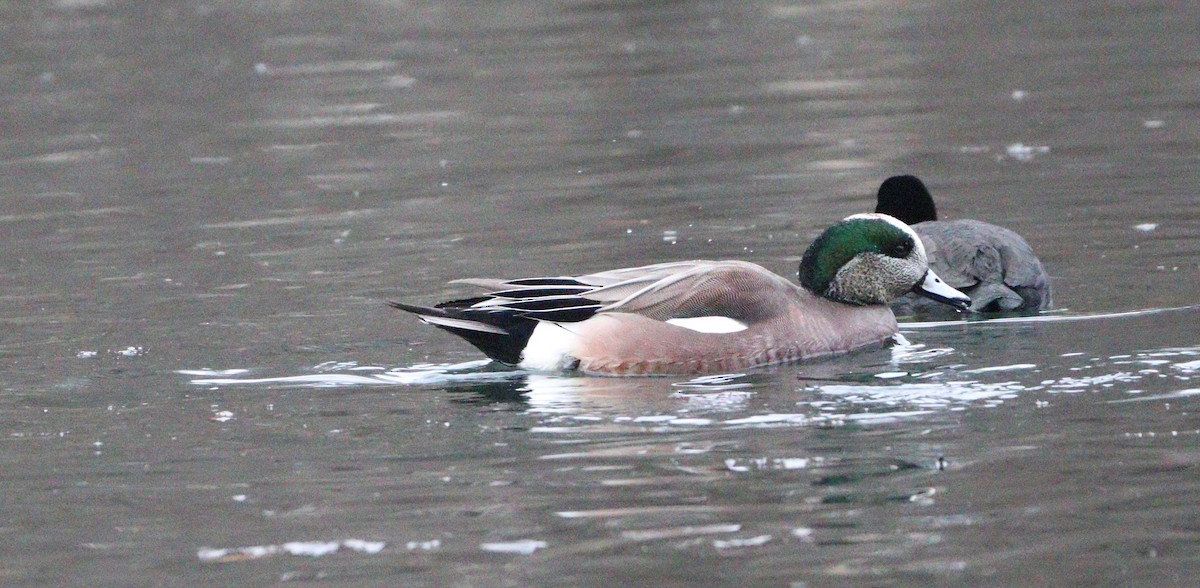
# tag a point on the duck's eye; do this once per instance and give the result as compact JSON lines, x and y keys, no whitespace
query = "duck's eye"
{"x":900,"y":249}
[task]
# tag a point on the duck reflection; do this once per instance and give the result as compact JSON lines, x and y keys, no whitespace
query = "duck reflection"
{"x":582,"y":395}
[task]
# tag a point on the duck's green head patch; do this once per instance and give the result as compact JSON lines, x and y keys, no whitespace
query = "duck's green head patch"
{"x":895,"y":247}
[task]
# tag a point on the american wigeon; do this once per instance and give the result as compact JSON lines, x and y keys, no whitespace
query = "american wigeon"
{"x":991,"y":264}
{"x":701,"y":316}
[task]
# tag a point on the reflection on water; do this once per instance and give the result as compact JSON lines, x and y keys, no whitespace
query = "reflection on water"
{"x":304,"y":548}
{"x":237,"y":186}
{"x":913,"y":382}
{"x":863,"y":465}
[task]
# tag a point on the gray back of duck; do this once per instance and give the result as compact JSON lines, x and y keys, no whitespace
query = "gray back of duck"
{"x":991,"y":264}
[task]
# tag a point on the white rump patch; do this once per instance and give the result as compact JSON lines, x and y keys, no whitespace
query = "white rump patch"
{"x":462,"y":324}
{"x":709,"y":324}
{"x":549,"y":347}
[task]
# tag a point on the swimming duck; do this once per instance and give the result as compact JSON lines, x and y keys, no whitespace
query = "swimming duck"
{"x":991,"y":264}
{"x":694,"y":317}
{"x":701,"y":316}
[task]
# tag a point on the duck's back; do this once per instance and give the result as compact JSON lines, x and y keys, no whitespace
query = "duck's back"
{"x":993,"y":265}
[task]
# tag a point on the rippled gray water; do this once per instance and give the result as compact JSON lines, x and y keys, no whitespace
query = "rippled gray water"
{"x":204,"y":205}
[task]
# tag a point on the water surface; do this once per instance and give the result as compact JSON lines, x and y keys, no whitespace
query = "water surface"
{"x":204,"y":205}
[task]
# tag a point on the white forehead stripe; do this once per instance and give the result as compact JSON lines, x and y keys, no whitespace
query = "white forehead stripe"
{"x":891,"y":220}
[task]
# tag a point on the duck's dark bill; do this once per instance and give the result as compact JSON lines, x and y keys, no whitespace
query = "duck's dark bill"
{"x":933,"y":288}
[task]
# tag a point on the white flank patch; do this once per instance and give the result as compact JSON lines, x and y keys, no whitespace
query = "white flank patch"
{"x":709,"y":324}
{"x":549,"y":344}
{"x":462,"y":324}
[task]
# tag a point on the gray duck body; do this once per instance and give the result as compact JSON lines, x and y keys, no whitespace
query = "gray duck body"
{"x":993,"y":265}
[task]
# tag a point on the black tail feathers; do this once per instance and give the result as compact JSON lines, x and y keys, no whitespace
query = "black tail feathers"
{"x":500,"y":334}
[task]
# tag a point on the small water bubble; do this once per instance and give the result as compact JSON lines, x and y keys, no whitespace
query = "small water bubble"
{"x":1153,"y":124}
{"x":362,"y":546}
{"x":1023,"y":152}
{"x":521,"y":547}
{"x":924,"y":497}
{"x":1019,"y":95}
{"x":736,"y":543}
{"x":423,"y":545}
